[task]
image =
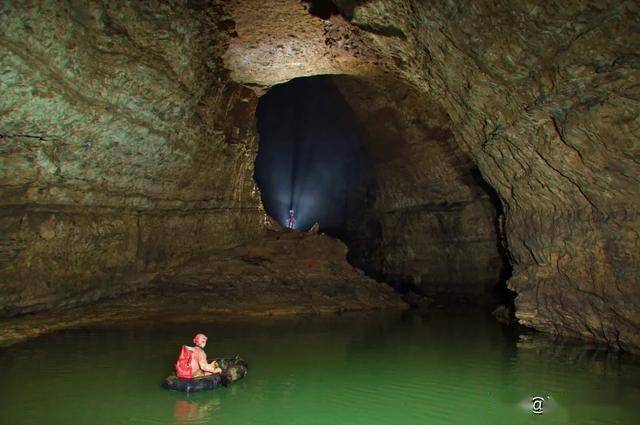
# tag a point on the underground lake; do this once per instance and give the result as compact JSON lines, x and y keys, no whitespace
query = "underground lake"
{"x":355,"y":368}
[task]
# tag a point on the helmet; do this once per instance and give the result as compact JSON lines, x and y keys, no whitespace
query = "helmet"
{"x":199,"y":339}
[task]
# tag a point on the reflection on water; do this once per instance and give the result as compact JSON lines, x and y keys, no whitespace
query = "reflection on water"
{"x":351,"y":369}
{"x":191,"y":411}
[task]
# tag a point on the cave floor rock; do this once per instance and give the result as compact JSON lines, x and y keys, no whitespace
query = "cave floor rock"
{"x":282,"y":273}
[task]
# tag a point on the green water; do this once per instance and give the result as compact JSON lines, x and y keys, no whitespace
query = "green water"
{"x":350,"y":369}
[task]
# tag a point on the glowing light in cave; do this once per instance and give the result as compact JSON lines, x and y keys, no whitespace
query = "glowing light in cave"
{"x":312,"y":157}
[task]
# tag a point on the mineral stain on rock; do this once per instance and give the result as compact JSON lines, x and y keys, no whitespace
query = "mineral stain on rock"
{"x":128,"y":142}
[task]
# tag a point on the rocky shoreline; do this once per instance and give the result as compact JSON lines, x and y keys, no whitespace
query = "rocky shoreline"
{"x":282,"y":273}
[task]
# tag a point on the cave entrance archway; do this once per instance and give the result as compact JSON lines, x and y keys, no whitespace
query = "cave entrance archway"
{"x":312,"y":155}
{"x":376,"y":163}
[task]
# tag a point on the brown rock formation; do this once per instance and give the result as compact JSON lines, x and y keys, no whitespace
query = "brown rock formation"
{"x":285,"y":270}
{"x":543,"y":97}
{"x":280,"y":273}
{"x":127,"y":132}
{"x":428,"y":221}
{"x":124,"y":149}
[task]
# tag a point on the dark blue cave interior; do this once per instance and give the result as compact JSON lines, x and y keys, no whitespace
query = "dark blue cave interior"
{"x":312,"y":155}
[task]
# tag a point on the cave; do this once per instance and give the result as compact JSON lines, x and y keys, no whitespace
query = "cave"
{"x":472,"y":170}
{"x":386,"y":179}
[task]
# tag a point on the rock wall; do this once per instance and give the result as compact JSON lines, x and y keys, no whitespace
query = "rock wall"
{"x":124,"y":148}
{"x":279,"y":273}
{"x":543,"y":96}
{"x":427,"y":224}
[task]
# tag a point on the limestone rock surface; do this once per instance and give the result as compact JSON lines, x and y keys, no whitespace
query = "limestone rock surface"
{"x":290,"y":270}
{"x":128,"y":140}
{"x":427,"y":223}
{"x":543,"y":96}
{"x":124,"y":149}
{"x":280,"y":273}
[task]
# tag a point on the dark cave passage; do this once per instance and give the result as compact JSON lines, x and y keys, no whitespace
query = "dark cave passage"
{"x":312,"y":156}
{"x":387,"y":180}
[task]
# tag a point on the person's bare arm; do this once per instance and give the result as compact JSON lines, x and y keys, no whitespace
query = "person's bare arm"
{"x":207,"y":367}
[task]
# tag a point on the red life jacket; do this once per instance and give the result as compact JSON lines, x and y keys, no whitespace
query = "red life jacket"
{"x":183,"y":365}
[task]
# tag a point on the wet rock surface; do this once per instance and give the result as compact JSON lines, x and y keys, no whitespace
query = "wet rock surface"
{"x":128,"y":128}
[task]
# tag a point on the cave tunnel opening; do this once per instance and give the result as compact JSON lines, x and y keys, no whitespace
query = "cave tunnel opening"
{"x":377,"y":166}
{"x":312,"y":158}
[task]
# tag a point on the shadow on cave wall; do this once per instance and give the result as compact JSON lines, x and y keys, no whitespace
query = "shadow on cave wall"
{"x":502,"y":293}
{"x":325,"y":9}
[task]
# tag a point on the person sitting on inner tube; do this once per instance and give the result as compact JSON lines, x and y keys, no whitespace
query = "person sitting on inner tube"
{"x":197,"y":362}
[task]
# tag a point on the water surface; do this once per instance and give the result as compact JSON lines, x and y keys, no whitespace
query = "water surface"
{"x":351,"y":369}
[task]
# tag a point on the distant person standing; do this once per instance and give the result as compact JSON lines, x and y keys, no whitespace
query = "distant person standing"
{"x":291,"y":221}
